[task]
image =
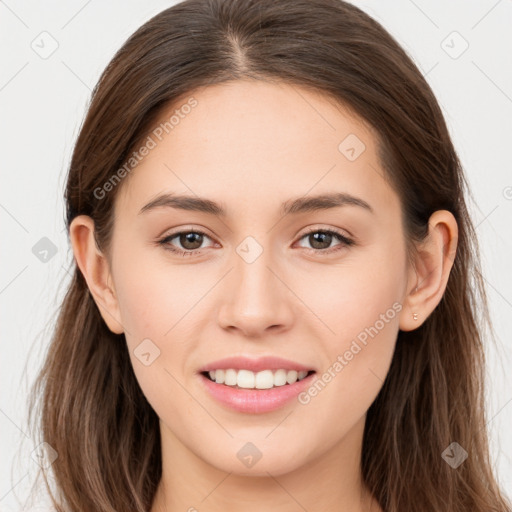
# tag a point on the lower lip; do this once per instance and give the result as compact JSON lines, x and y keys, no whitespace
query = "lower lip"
{"x":255,"y":401}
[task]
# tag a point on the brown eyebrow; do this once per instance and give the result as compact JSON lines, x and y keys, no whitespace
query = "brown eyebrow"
{"x":293,"y":206}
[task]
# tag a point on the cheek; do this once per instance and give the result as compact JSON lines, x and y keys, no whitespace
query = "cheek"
{"x":149,"y":313}
{"x":152,"y":293}
{"x":352,"y":296}
{"x":361,"y":308}
{"x":157,"y":305}
{"x":348,"y":385}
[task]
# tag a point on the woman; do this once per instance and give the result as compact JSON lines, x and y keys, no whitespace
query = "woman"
{"x":271,"y":305}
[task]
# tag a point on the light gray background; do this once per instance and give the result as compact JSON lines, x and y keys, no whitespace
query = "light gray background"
{"x":43,"y":100}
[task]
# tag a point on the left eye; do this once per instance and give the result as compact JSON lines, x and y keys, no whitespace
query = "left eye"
{"x":323,"y":238}
{"x":191,"y":241}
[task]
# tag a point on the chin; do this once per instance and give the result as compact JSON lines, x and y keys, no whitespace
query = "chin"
{"x":246,"y":458}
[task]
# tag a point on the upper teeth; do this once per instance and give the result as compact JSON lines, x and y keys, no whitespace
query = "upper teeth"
{"x":261,"y":380}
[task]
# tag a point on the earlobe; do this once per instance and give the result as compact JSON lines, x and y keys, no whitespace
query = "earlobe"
{"x":95,"y":268}
{"x":428,"y":280}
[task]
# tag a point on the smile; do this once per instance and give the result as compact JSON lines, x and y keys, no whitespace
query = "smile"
{"x":246,"y":379}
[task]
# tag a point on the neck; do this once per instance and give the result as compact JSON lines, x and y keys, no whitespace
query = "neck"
{"x":331,"y":482}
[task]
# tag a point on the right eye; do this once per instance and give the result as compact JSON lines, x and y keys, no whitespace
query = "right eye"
{"x":188,"y":240}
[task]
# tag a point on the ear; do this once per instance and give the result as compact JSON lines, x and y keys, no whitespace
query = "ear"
{"x":428,"y":279}
{"x":95,"y":269}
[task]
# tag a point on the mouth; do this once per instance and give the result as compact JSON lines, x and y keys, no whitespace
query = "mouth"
{"x":247,"y":392}
{"x":246,"y":379}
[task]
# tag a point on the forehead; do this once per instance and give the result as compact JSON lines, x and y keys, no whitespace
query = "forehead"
{"x":260,"y":142}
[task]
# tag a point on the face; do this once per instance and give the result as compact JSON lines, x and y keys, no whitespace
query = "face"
{"x":319,"y":287}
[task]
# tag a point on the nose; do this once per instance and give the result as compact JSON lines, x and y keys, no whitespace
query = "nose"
{"x":256,"y":298}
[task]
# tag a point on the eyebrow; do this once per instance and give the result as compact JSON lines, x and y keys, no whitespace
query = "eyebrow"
{"x":292,"y":206}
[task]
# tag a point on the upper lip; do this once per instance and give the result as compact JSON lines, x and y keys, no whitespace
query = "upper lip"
{"x":254,"y":365}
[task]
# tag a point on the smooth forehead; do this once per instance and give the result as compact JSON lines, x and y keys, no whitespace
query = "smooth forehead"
{"x":262,"y":108}
{"x":245,"y":135}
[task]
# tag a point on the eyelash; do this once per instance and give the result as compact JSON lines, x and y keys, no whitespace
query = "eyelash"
{"x":345,"y":242}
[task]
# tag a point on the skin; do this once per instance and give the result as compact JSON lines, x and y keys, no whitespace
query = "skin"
{"x":251,"y":146}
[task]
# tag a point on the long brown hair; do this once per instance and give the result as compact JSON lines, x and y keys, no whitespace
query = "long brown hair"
{"x":91,"y":409}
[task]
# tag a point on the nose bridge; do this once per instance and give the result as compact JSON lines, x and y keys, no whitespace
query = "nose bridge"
{"x":256,"y":299}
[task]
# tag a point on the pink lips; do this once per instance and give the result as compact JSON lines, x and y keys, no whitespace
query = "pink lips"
{"x":254,"y":365}
{"x":255,"y":400}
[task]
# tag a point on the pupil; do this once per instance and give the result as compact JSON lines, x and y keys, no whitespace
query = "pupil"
{"x":189,"y":239}
{"x":322,"y":240}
